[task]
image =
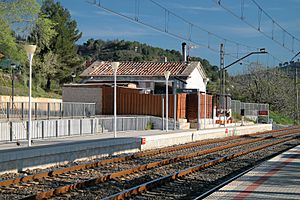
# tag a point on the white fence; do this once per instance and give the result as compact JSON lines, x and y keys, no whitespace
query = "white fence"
{"x":13,"y":131}
{"x":43,"y":110}
{"x":17,"y":130}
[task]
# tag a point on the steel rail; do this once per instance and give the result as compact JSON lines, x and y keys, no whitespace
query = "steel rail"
{"x":64,"y":189}
{"x":52,"y":173}
{"x":156,"y":182}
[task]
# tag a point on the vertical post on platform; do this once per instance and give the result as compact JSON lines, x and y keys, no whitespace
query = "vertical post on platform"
{"x":167,"y":74}
{"x":115,"y":66}
{"x":175,"y":102}
{"x":30,"y":49}
{"x":205,"y":80}
{"x":163,"y":111}
{"x":221,"y":82}
{"x":198,"y":112}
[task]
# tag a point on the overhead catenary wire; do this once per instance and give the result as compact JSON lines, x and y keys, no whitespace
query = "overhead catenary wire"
{"x":258,"y":27}
{"x":168,"y":15}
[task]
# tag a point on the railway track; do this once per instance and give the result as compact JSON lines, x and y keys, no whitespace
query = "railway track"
{"x":37,"y":174}
{"x":121,"y":169}
{"x":189,"y":182}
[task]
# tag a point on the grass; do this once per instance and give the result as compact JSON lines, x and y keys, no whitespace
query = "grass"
{"x":280,"y":119}
{"x":21,"y":89}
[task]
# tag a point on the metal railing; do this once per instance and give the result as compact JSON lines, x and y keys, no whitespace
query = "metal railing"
{"x":17,"y":130}
{"x":124,"y":123}
{"x":46,"y":110}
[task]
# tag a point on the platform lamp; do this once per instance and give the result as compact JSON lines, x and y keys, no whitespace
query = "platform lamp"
{"x":115,"y":66}
{"x":205,"y":80}
{"x":73,"y":75}
{"x":167,"y":74}
{"x":30,"y":49}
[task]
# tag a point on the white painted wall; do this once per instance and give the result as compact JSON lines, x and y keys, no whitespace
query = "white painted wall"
{"x":195,"y":81}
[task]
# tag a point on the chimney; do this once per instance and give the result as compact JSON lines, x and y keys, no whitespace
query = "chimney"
{"x":163,"y":59}
{"x":184,"y":51}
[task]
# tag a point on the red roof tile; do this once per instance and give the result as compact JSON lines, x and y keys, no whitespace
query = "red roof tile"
{"x":99,"y":68}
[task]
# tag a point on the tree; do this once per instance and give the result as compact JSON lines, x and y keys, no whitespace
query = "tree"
{"x":55,"y":33}
{"x":16,"y":17}
{"x":263,"y":85}
{"x":63,"y":44}
{"x":8,"y":45}
{"x":43,"y":34}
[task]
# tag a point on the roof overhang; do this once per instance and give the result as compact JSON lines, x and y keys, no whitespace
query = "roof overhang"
{"x":134,"y":78}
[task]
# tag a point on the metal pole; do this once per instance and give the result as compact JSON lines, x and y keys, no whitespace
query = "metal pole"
{"x":167,"y":105}
{"x":205,"y":108}
{"x":222,"y":95}
{"x":175,"y":102}
{"x":115,"y":103}
{"x":29,"y":101}
{"x":198,"y":112}
{"x":163,"y":112}
{"x":12,"y":92}
{"x":297,"y":96}
{"x":225,"y":98}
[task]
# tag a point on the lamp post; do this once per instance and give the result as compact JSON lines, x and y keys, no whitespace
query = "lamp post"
{"x":167,"y":74}
{"x":73,"y":75}
{"x":222,"y":71}
{"x":115,"y":66}
{"x":30,"y":49}
{"x":205,"y":80}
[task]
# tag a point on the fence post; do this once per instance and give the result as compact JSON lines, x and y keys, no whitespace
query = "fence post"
{"x":72,"y":110}
{"x":10,"y":131}
{"x":92,"y":126}
{"x":136,"y":123}
{"x":43,"y":129}
{"x":56,"y":128}
{"x":27,"y":126}
{"x":84,"y":111}
{"x":102,"y":126}
{"x":60,"y":110}
{"x":69,"y":127}
{"x":22,"y":110}
{"x":48,"y":111}
{"x":7,"y":109}
{"x":122,"y":124}
{"x":35,"y":109}
{"x":80,"y":126}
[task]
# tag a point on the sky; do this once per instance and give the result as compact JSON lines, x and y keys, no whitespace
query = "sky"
{"x":202,"y":24}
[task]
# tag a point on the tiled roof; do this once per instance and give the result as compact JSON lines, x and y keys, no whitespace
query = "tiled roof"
{"x":100,"y":68}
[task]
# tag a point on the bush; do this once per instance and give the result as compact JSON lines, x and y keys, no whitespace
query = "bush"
{"x":149,"y":126}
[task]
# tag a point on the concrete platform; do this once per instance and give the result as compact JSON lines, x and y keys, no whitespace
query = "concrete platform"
{"x":55,"y":151}
{"x":278,"y":178}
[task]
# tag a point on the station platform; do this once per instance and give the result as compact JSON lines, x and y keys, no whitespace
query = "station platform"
{"x":56,"y":151}
{"x":277,"y":178}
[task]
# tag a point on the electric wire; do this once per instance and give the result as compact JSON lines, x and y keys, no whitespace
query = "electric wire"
{"x":191,"y":27}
